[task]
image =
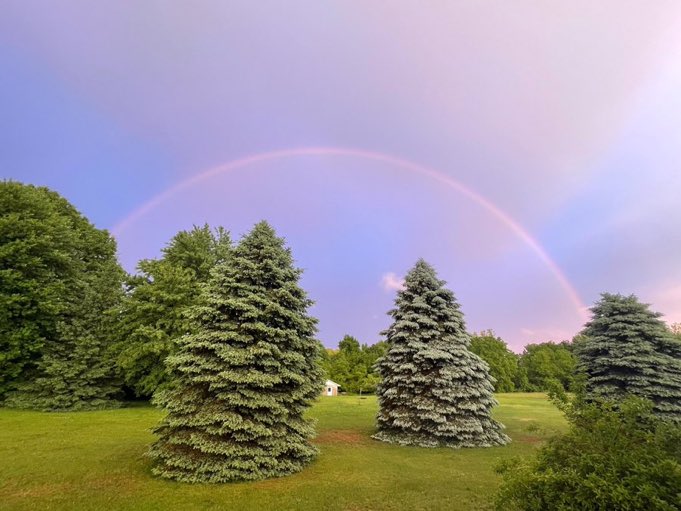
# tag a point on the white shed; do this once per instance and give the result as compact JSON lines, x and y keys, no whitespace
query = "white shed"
{"x":330,"y":388}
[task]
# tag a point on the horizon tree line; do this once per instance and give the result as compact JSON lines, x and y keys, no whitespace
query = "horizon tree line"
{"x":219,"y":334}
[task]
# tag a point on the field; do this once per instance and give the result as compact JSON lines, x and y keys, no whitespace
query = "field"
{"x":95,"y":460}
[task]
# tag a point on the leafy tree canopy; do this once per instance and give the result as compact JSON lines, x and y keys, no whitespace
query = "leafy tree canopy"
{"x":543,"y":364}
{"x":59,"y":279}
{"x":503,"y":363}
{"x":352,"y":365}
{"x":154,"y":314}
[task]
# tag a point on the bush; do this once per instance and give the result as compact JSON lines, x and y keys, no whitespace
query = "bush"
{"x":611,"y":459}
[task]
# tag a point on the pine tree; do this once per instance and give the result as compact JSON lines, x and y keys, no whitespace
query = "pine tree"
{"x":154,"y":313}
{"x":626,"y":349}
{"x":434,"y":391}
{"x":245,"y":375}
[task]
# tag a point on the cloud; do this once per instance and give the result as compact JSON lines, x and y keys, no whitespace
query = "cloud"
{"x":392,"y":282}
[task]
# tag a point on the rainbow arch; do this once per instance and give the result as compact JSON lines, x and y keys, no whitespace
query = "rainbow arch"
{"x":407,"y":165}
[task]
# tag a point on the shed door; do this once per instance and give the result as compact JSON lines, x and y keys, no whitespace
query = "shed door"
{"x":329,"y":391}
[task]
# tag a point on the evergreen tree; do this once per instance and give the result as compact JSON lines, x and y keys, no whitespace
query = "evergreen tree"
{"x":627,"y":350}
{"x":245,"y":375}
{"x":154,"y":313}
{"x":434,"y":391}
{"x":74,"y":370}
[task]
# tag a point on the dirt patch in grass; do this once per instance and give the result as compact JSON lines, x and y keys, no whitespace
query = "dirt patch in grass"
{"x":342,"y":436}
{"x":530,"y":439}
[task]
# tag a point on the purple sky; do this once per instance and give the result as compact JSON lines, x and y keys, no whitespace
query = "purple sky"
{"x":550,"y":134}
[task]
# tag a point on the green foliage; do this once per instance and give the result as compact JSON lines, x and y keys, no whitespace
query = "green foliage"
{"x":627,"y":350}
{"x":199,"y":250}
{"x":611,"y":459}
{"x":60,"y":281}
{"x":675,"y":329}
{"x":502,"y":362}
{"x":352,"y":365}
{"x":434,"y":391}
{"x":154,"y":313}
{"x":543,"y":364}
{"x":38,"y":250}
{"x":245,"y":375}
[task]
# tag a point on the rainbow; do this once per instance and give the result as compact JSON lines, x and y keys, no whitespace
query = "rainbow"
{"x":422,"y":170}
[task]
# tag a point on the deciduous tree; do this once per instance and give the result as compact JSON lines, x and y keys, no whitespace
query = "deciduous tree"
{"x":503,"y":363}
{"x":545,"y":364}
{"x":68,"y":323}
{"x":154,"y":314}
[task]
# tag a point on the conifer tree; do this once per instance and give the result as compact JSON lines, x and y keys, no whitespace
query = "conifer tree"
{"x":434,"y":391}
{"x":627,"y":350}
{"x":245,"y":375}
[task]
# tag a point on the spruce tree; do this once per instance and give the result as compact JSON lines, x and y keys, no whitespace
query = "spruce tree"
{"x":627,"y":350}
{"x":434,"y":391}
{"x":245,"y":375}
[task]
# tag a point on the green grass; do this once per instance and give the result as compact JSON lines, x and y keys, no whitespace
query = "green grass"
{"x":95,"y":460}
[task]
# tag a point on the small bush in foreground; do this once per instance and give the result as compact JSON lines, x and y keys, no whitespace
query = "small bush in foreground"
{"x":611,"y":459}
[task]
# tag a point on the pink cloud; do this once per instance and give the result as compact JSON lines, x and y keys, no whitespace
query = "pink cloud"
{"x":392,"y":282}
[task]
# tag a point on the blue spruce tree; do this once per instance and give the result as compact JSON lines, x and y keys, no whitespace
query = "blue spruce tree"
{"x":627,"y":350}
{"x":245,"y":375}
{"x":434,"y":391}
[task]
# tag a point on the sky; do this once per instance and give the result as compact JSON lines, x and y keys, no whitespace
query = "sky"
{"x":530,"y":150}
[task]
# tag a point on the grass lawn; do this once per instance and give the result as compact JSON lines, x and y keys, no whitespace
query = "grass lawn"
{"x":95,"y":460}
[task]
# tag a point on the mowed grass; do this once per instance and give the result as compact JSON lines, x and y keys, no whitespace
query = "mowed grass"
{"x":95,"y":460}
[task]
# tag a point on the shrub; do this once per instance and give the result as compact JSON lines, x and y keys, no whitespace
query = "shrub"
{"x":622,"y":458}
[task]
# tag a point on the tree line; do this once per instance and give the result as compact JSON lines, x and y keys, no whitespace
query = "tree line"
{"x":537,"y":369}
{"x":219,"y":333}
{"x":78,"y":332}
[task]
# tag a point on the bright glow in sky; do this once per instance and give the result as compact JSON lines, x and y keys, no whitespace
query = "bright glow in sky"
{"x":564,"y":117}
